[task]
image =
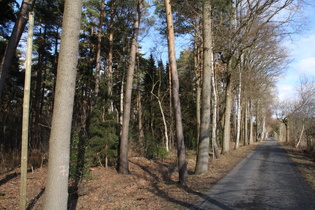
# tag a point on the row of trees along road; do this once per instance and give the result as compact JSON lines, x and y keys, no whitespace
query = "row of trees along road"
{"x":217,"y":95}
{"x":295,"y":117}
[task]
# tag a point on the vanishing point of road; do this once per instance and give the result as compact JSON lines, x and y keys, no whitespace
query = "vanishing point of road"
{"x":266,"y":179}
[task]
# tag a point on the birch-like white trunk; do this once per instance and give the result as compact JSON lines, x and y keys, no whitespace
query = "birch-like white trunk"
{"x":239,"y":109}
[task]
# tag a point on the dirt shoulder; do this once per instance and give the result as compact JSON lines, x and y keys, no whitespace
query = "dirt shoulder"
{"x":304,"y":162}
{"x":152,"y":184}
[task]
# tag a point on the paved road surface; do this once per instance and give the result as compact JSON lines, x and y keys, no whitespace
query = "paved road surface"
{"x":266,"y":179}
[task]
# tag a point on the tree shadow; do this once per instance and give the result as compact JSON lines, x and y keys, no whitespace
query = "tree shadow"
{"x":202,"y":198}
{"x":34,"y":200}
{"x":11,"y":176}
{"x":78,"y":173}
{"x":8,"y":177}
{"x":73,"y":195}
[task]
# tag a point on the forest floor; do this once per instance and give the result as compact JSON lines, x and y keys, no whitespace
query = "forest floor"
{"x":152,"y":184}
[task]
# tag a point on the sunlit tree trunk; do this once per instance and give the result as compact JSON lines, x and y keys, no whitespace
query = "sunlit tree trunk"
{"x":238,"y":133}
{"x":123,"y":150}
{"x":204,"y":140}
{"x":215,"y":147}
{"x":227,"y":117}
{"x":26,"y":105}
{"x":56,"y":191}
{"x":246,"y":123}
{"x":182,"y":164}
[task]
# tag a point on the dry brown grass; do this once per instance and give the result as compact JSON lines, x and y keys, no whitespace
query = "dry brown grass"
{"x":152,"y":184}
{"x":304,"y":162}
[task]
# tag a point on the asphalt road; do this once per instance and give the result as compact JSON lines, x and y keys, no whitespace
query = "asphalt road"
{"x":266,"y":179}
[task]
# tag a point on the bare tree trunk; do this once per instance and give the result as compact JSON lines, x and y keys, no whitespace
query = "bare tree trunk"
{"x":246,"y":123}
{"x":238,"y":133}
{"x":26,"y":105}
{"x":164,"y":120}
{"x":140,"y":113}
{"x":171,"y":143}
{"x":251,"y":124}
{"x":215,"y":146}
{"x":300,"y":139}
{"x":263,"y":133}
{"x":110,"y":56}
{"x":98,"y":52}
{"x":203,"y":146}
{"x":123,"y":150}
{"x":13,"y":42}
{"x":182,"y":164}
{"x":227,"y":117}
{"x":56,"y":192}
{"x":198,"y":88}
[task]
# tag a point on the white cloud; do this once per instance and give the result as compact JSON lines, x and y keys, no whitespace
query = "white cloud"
{"x":286,"y":92}
{"x":306,"y":66}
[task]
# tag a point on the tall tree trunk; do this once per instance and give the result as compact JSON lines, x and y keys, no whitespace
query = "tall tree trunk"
{"x":238,"y":133}
{"x":251,"y":124}
{"x":26,"y":105}
{"x":98,"y":52}
{"x":140,"y":111}
{"x":264,"y":128}
{"x":215,"y":147}
{"x":204,"y":140}
{"x":227,"y":116}
{"x":56,"y":192}
{"x":246,"y":123}
{"x":110,"y":56}
{"x":182,"y":164}
{"x":13,"y":42}
{"x":172,"y":136}
{"x":123,"y":150}
{"x":198,"y":86}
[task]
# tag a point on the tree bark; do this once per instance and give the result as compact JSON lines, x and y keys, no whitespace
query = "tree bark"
{"x":204,"y":140}
{"x":215,"y":147}
{"x":198,"y":87}
{"x":251,"y":124}
{"x":246,"y":124}
{"x":227,"y":116}
{"x":98,"y":52}
{"x":110,"y":56}
{"x":182,"y":164}
{"x":123,"y":150}
{"x":140,"y":111}
{"x":239,"y":109}
{"x":13,"y":42}
{"x":56,"y":192}
{"x":26,"y":105}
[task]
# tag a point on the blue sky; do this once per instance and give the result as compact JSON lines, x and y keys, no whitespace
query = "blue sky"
{"x":302,"y":50}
